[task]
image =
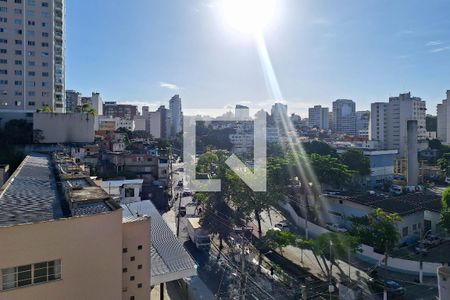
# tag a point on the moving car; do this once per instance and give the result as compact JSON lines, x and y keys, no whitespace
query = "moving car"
{"x":198,"y":235}
{"x":394,"y":289}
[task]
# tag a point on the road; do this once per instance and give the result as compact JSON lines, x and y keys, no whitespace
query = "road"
{"x":356,"y":269}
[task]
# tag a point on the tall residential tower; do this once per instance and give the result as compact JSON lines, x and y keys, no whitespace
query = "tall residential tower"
{"x":32,"y":73}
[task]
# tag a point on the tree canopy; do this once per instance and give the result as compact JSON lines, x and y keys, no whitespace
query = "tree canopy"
{"x":356,"y":161}
{"x":445,"y":212}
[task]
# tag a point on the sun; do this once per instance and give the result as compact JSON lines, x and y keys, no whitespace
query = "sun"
{"x":249,"y":16}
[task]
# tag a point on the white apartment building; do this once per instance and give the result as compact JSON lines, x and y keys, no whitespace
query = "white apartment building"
{"x":443,"y":115}
{"x":319,"y":117}
{"x":279,"y":113}
{"x":32,"y":72}
{"x":242,"y":112}
{"x":73,"y":100}
{"x":388,"y":122}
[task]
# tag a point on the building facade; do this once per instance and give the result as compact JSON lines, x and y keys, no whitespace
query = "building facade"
{"x":242,"y":112}
{"x":388,"y":123}
{"x":344,"y":116}
{"x":176,"y":116}
{"x":73,"y":100}
{"x":443,"y":122}
{"x":318,"y":117}
{"x":124,"y":111}
{"x":32,"y":72}
{"x":362,"y":123}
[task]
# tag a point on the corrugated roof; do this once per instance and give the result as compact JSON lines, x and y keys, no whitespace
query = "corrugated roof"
{"x":30,"y":195}
{"x":169,"y":260}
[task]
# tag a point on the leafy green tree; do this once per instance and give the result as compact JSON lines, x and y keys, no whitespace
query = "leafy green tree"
{"x":378,"y":229}
{"x":333,"y":246}
{"x":329,"y":170}
{"x":277,"y":239}
{"x":87,"y":108}
{"x":356,"y":161}
{"x":445,"y":211}
{"x":444,"y":162}
{"x":318,"y":147}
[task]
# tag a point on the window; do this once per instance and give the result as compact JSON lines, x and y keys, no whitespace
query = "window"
{"x":44,"y":4}
{"x":124,"y":250}
{"x":18,"y":83}
{"x":45,"y":34}
{"x":18,"y":62}
{"x":3,"y":61}
{"x":139,"y":285}
{"x":18,"y":72}
{"x":129,"y":192}
{"x":132,"y":298}
{"x":31,"y":274}
{"x":44,"y":44}
{"x":132,"y":258}
{"x":3,"y":20}
{"x":3,"y":9}
{"x":131,"y":278}
{"x":31,"y":43}
{"x":3,"y":41}
{"x":18,"y":93}
{"x":31,"y":103}
{"x":3,"y":72}
{"x":3,"y":82}
{"x":18,"y":42}
{"x":18,"y":52}
{"x":140,"y":247}
{"x":124,"y":270}
{"x":18,"y":103}
{"x":405,"y":231}
{"x":3,"y":51}
{"x":44,"y":74}
{"x":139,"y":267}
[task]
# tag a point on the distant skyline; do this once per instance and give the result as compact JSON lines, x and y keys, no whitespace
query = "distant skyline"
{"x":144,"y":52}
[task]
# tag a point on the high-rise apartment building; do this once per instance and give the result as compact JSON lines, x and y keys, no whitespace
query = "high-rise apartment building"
{"x":73,"y":100}
{"x":176,"y":115}
{"x":362,"y":123}
{"x":242,"y":112}
{"x":32,"y":73}
{"x":124,"y":111}
{"x":388,"y":121}
{"x":344,"y":116}
{"x":443,"y":121}
{"x":318,"y":117}
{"x":279,"y":113}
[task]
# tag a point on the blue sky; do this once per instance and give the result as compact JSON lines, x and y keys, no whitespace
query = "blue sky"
{"x":145,"y":51}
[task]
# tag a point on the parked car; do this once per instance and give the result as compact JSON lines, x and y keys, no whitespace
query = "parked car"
{"x":394,"y":289}
{"x":284,"y":226}
{"x":187,"y":192}
{"x":336,"y":228}
{"x":180,"y":183}
{"x":432,"y":240}
{"x":396,"y":190}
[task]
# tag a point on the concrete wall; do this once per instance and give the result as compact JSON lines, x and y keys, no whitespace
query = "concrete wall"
{"x":136,"y":259}
{"x":90,"y":250}
{"x":367,"y":254}
{"x":65,"y":128}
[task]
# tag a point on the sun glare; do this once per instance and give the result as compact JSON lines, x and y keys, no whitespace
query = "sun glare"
{"x":249,"y":16}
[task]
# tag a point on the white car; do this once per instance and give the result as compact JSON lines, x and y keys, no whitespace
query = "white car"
{"x":336,"y":228}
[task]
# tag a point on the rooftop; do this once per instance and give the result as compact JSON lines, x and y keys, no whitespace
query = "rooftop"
{"x":402,"y":205}
{"x":169,"y":260}
{"x":45,"y":188}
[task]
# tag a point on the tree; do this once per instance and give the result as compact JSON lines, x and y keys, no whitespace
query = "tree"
{"x":444,"y":162}
{"x":330,"y":170}
{"x":277,"y":239}
{"x":87,"y":108}
{"x":333,"y":246}
{"x":356,"y":161}
{"x":320,"y":148}
{"x":378,"y":229}
{"x":445,"y":211}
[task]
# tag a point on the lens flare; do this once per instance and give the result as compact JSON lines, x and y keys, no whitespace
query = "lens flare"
{"x":249,"y":16}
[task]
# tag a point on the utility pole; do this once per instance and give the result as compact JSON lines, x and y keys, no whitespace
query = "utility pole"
{"x":178,"y":214}
{"x":243,"y":276}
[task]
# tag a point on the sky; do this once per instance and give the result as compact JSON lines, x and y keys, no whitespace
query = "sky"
{"x":144,"y":52}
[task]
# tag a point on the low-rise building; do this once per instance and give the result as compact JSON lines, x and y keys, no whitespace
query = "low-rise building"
{"x":62,"y":237}
{"x":126,"y":191}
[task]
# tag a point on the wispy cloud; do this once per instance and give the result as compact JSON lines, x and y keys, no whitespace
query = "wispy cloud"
{"x":169,"y":86}
{"x":433,"y":43}
{"x":320,"y":21}
{"x":440,"y":49}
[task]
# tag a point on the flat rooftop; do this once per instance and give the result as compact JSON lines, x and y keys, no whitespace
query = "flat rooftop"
{"x":402,"y":205}
{"x":45,"y":188}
